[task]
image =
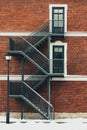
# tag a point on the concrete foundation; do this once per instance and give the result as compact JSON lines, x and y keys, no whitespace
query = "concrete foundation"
{"x":38,"y":116}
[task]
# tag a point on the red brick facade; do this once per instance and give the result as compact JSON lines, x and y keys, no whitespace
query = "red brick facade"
{"x":69,"y":96}
{"x":28,"y":15}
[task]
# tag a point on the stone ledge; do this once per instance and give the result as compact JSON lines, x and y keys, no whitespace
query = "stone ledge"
{"x":38,"y":116}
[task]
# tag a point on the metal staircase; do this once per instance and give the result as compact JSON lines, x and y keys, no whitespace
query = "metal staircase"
{"x":27,"y":48}
{"x":31,"y":97}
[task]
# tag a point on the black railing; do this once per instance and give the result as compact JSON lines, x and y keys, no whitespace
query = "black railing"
{"x":37,"y":36}
{"x":34,"y":99}
{"x":34,"y":54}
{"x":27,"y":47}
{"x":35,"y":81}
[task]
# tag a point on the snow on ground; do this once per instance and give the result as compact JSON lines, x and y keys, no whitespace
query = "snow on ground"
{"x":58,"y":124}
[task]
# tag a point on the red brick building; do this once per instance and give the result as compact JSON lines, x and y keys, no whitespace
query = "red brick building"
{"x":47,"y":40}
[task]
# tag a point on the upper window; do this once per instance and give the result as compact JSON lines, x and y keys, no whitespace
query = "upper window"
{"x":58,"y":18}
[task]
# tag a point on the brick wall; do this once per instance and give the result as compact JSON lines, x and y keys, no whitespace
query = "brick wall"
{"x":76,"y":58}
{"x":27,"y":15}
{"x":14,"y":63}
{"x":69,"y":96}
{"x":68,"y":100}
{"x":76,"y":55}
{"x":65,"y":97}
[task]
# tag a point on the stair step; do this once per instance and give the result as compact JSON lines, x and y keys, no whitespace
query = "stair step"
{"x":35,"y":107}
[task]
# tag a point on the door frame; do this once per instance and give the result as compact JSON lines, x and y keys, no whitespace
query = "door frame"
{"x":58,"y":29}
{"x":58,"y":43}
{"x":57,"y":68}
{"x":50,"y":15}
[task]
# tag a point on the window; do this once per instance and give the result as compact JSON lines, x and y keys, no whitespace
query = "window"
{"x":58,"y":18}
{"x":58,"y":58}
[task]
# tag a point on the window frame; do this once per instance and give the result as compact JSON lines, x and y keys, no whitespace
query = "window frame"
{"x":58,"y":43}
{"x":50,"y":15}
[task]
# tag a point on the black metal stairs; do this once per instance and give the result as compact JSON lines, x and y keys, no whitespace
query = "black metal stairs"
{"x":27,"y":48}
{"x":31,"y":97}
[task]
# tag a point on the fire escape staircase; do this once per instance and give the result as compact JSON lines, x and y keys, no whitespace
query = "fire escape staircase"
{"x":28,"y":48}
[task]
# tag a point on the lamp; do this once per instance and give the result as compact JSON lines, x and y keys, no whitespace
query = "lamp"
{"x":8,"y":58}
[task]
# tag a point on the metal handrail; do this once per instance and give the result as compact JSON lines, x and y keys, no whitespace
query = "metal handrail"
{"x":34,"y":48}
{"x":40,"y":28}
{"x":23,"y":89}
{"x":37,"y":94}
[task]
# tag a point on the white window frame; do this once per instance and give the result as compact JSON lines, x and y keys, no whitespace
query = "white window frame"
{"x":58,"y":43}
{"x":50,"y":15}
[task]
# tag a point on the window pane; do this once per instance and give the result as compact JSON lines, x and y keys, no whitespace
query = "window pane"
{"x":60,"y":16}
{"x":60,"y":23}
{"x":56,"y":10}
{"x":55,"y":23}
{"x":55,"y":16}
{"x":58,"y":49}
{"x":60,"y":10}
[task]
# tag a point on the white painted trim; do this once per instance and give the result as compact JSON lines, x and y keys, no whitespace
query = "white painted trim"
{"x":11,"y":77}
{"x":19,"y":77}
{"x":58,"y":43}
{"x":50,"y":15}
{"x":15,"y":33}
{"x":69,"y":33}
{"x":66,"y":78}
{"x":76,"y":34}
{"x":71,"y":78}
